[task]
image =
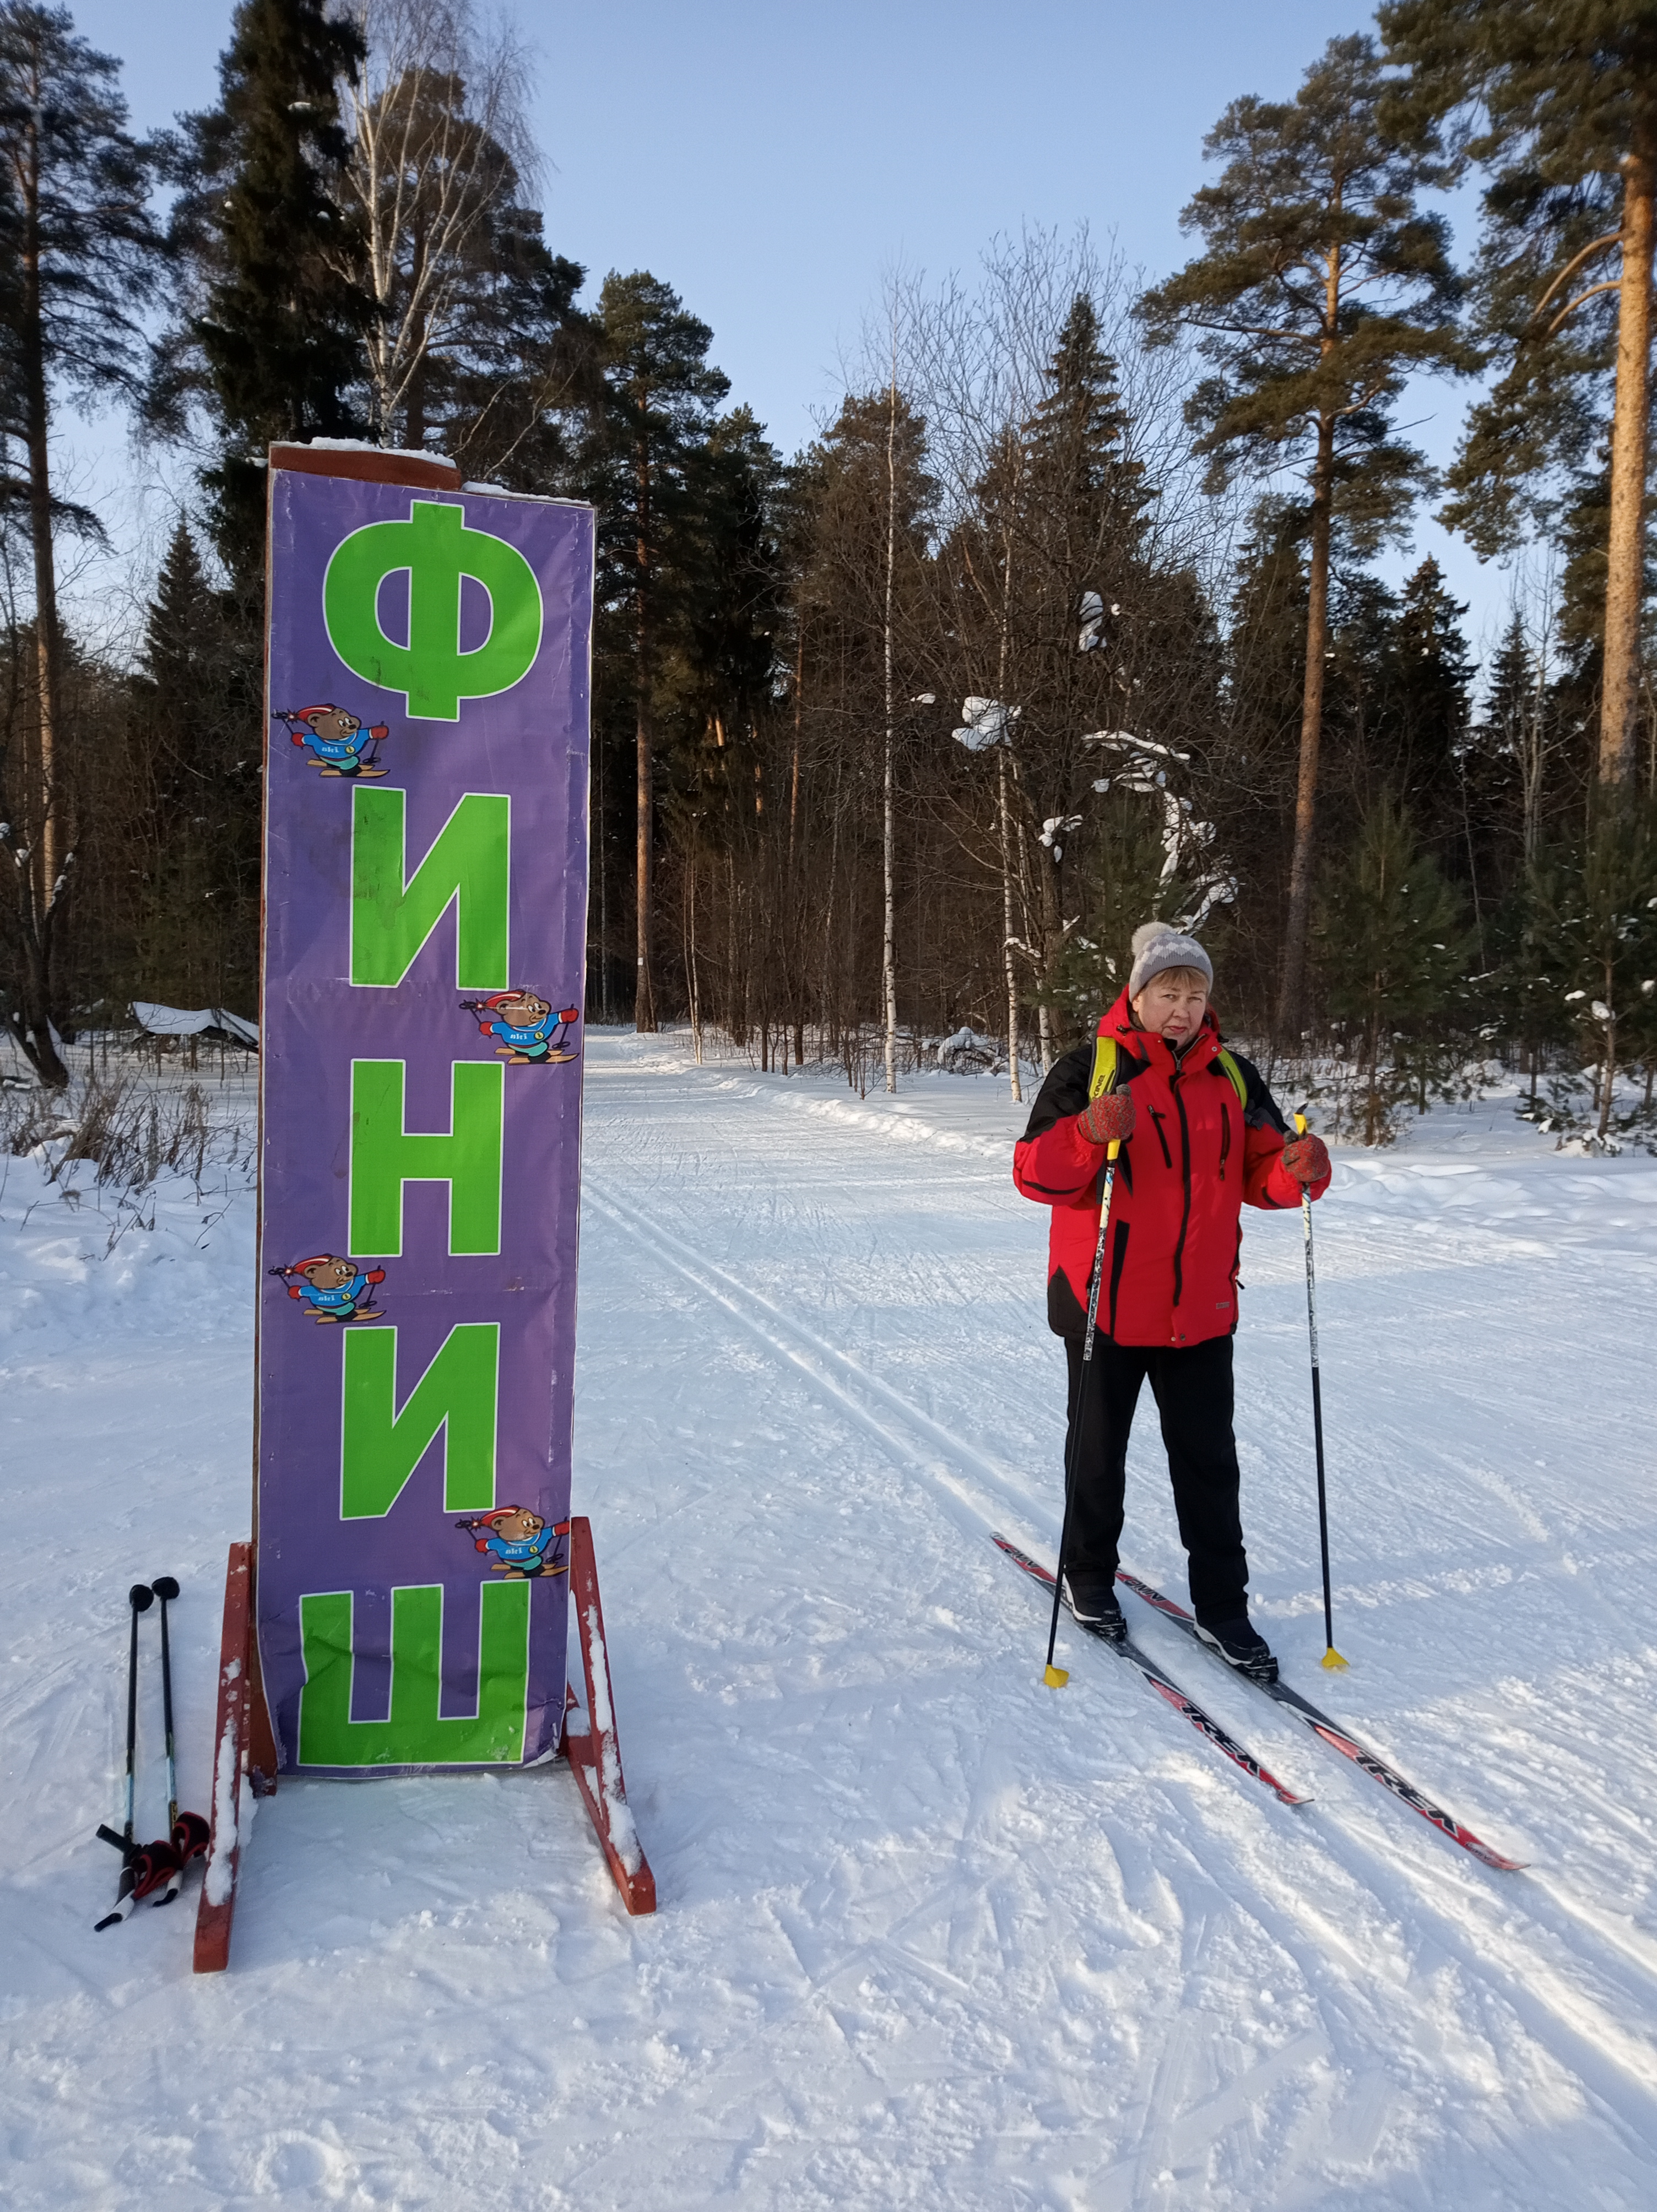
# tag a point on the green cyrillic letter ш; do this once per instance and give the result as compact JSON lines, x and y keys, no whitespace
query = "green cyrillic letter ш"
{"x":415,"y":1734}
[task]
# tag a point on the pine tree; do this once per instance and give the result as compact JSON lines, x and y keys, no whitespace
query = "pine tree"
{"x":521,"y":367}
{"x":1322,"y":290}
{"x":1563,"y":102}
{"x":82,"y":260}
{"x":272,"y":342}
{"x":1255,"y":763}
{"x":661,"y":392}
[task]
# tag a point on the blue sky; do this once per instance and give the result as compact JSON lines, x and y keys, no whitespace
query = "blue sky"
{"x":773,"y":161}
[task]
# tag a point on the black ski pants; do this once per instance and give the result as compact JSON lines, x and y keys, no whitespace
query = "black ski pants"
{"x":1192,"y":1387}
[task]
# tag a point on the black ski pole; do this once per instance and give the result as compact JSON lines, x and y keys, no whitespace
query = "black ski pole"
{"x":140,"y":1598}
{"x":1055,"y":1677}
{"x":1331,"y":1657}
{"x":186,"y":1831}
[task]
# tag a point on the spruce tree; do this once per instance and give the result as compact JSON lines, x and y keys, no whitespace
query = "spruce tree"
{"x":1322,"y":288}
{"x":1392,"y":949}
{"x":1560,"y":100}
{"x":194,"y":745}
{"x":1089,"y":496}
{"x":1433,"y":676}
{"x":274,"y":346}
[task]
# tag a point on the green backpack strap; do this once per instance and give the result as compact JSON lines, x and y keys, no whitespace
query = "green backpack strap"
{"x":1239,"y":1080}
{"x":1103,"y":1077}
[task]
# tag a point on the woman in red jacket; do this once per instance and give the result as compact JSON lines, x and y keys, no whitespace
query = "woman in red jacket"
{"x":1200,"y":1133}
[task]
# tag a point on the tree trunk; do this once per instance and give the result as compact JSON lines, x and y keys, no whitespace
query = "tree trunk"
{"x":888,"y":828}
{"x":1608,"y":1079}
{"x":1292,"y":995}
{"x":690,"y":961}
{"x":42,"y":889}
{"x":1006,"y":932}
{"x":1625,"y":546}
{"x":794,"y":777}
{"x":598,"y":830}
{"x":1052,"y":937}
{"x":644,"y":1004}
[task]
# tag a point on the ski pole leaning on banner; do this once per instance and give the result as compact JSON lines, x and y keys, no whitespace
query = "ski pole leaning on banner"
{"x":140,"y":1598}
{"x":1057,"y":1677}
{"x":186,"y":1832}
{"x":1331,"y":1657}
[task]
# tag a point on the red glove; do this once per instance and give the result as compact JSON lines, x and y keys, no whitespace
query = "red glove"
{"x":1109,"y":1119}
{"x":1307,"y":1157}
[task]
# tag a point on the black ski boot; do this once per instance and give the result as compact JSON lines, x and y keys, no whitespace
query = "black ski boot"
{"x":1241,"y":1645}
{"x":1090,"y":1596}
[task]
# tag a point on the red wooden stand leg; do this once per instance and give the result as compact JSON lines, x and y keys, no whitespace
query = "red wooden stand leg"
{"x":230,"y":1767}
{"x":595,"y":1754}
{"x":245,"y":1755}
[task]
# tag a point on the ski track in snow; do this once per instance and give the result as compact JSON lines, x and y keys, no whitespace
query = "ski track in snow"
{"x":930,"y":1934}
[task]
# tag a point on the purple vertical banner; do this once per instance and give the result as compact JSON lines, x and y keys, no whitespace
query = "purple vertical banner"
{"x":425,"y":892}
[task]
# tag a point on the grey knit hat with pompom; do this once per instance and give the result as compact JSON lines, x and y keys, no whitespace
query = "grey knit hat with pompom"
{"x":1159,"y":945}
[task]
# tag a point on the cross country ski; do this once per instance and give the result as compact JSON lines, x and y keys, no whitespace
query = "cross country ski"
{"x":1165,"y":1687}
{"x":1341,"y":1739}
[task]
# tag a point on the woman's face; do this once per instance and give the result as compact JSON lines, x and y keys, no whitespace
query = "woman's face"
{"x":1170,"y":1009}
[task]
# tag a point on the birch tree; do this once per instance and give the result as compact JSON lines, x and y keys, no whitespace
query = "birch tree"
{"x":439,"y":147}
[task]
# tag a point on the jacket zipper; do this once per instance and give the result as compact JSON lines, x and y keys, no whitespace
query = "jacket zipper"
{"x":1225,"y":1137}
{"x":1156,"y":1123}
{"x":1184,"y":1169}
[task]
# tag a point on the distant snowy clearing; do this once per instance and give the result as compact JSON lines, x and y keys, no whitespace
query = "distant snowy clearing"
{"x":930,"y":1934}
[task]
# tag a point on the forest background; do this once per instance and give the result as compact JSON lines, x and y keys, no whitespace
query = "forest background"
{"x":1073,"y":613}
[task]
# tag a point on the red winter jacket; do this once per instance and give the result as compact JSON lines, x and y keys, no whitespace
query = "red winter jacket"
{"x":1197,"y":1152}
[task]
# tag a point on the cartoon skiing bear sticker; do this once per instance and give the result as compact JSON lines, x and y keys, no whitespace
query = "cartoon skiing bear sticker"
{"x":339,"y":743}
{"x":332,"y":1288}
{"x":530,"y":1034}
{"x":517,"y":1541}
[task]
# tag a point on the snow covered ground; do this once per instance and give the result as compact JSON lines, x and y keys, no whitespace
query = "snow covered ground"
{"x":930,"y":1934}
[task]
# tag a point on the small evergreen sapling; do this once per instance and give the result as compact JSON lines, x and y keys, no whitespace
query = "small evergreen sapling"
{"x":1391,"y":949}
